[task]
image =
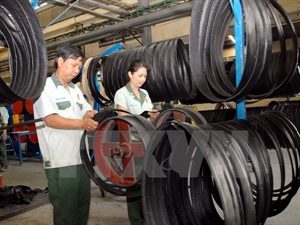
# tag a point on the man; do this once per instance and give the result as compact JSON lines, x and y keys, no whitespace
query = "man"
{"x":3,"y":154}
{"x":66,"y":115}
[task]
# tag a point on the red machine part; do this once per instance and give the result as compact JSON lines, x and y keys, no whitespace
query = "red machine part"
{"x":32,"y":137}
{"x":20,"y":129}
{"x":17,"y":107}
{"x":29,"y":106}
{"x":116,"y":154}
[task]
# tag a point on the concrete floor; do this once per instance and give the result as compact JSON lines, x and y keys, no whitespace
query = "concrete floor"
{"x":110,"y":210}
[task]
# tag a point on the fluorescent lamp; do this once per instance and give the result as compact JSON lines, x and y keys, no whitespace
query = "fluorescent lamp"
{"x":43,"y":4}
{"x":231,"y":38}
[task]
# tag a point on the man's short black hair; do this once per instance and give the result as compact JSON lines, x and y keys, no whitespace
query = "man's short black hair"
{"x":67,"y":51}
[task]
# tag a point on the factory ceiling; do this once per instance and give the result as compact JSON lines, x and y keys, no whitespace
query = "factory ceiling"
{"x":68,"y":18}
{"x":65,"y":19}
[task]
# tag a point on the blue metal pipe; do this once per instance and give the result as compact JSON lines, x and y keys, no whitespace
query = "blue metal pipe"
{"x":239,"y":52}
{"x":34,"y":3}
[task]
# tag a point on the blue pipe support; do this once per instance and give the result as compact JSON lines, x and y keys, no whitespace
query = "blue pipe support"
{"x":239,"y":52}
{"x":114,"y":48}
{"x":96,"y":104}
{"x":34,"y":3}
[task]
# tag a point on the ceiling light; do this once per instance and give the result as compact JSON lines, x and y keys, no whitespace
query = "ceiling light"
{"x":231,"y":38}
{"x":43,"y":4}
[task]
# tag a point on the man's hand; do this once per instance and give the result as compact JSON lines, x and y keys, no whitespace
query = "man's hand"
{"x":3,"y":137}
{"x":90,"y":114}
{"x":89,"y":124}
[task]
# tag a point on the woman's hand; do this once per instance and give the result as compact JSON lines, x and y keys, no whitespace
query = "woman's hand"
{"x":153,"y":114}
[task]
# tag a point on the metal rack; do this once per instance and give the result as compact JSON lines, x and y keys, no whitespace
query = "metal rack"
{"x":10,"y":146}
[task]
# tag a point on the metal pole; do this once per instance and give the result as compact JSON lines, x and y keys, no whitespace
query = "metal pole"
{"x":82,"y":9}
{"x":21,"y":124}
{"x":93,"y":36}
{"x":53,"y":21}
{"x":103,"y":6}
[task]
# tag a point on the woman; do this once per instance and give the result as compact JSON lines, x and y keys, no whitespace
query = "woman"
{"x":132,"y":97}
{"x":135,"y":100}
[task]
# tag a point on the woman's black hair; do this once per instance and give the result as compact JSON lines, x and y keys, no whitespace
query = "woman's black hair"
{"x":135,"y":65}
{"x":67,"y":51}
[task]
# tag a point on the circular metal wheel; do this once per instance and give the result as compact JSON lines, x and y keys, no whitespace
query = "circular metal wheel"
{"x":180,"y":115}
{"x":118,"y":145}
